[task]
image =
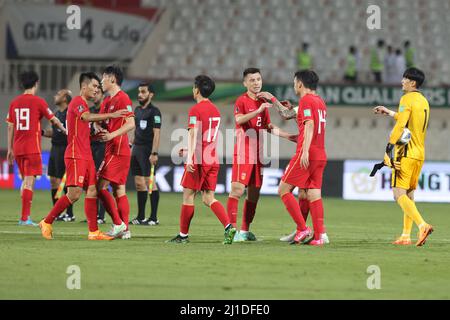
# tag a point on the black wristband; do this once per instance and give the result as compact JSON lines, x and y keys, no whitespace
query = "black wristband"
{"x":154,"y":153}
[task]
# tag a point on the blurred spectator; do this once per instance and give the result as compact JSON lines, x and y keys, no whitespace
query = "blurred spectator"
{"x":400,"y":65}
{"x":351,"y":70}
{"x":389,"y":67}
{"x":376,"y":61}
{"x":409,"y":54}
{"x":304,"y":58}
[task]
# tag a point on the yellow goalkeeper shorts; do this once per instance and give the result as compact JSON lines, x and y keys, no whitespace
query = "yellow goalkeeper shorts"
{"x":408,"y":176}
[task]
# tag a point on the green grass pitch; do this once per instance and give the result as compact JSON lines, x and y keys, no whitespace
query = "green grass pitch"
{"x":145,"y":267}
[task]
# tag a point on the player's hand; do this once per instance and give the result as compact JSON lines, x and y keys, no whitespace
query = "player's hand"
{"x":190,"y":168}
{"x":381,"y":110}
{"x":153,"y":159}
{"x":304,"y":160}
{"x":265,"y":95}
{"x":287,"y":104}
{"x":387,"y":161}
{"x":292,"y":137}
{"x":120,"y":114}
{"x":264,"y":106}
{"x":182,"y":152}
{"x":65,"y":132}
{"x":10,"y":157}
{"x":105,"y":136}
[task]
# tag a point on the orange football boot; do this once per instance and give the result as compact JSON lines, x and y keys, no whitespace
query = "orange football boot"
{"x":403,"y":241}
{"x":98,"y":235}
{"x":46,"y":230}
{"x":424,"y":232}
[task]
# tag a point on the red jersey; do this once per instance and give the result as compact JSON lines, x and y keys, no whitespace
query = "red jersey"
{"x":119,"y":145}
{"x":78,"y":137}
{"x":312,"y":107}
{"x":206,"y":118}
{"x":25,"y":113}
{"x":249,"y":139}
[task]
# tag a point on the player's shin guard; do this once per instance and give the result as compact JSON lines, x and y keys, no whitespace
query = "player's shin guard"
{"x":90,"y":209}
{"x":407,"y":225}
{"x":304,"y":207}
{"x":58,"y":208}
{"x":248,"y":214}
{"x":409,"y":208}
{"x":110,"y":206}
{"x":187,"y":212}
{"x":317,"y":217}
{"x":293,"y":208}
{"x":220,"y":213}
{"x":124,"y":208}
{"x":27,"y":198}
{"x":232,"y":208}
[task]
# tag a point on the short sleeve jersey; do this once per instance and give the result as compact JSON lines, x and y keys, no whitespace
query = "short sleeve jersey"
{"x":249,"y":139}
{"x":146,"y":120}
{"x":25,"y":113}
{"x":313,"y":108}
{"x":119,"y":145}
{"x":59,"y":138}
{"x":78,"y":138}
{"x":205,"y":117}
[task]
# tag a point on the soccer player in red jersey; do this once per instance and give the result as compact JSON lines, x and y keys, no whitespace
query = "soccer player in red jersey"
{"x":252,"y":116}
{"x":202,"y":165}
{"x":24,"y":138}
{"x":306,"y":168}
{"x":114,"y":168}
{"x":80,"y":166}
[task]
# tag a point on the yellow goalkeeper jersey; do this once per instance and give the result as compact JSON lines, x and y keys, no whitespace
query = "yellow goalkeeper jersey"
{"x":414,"y":114}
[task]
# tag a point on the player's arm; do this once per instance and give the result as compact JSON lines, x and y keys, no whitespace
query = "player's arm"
{"x":127,"y":126}
{"x":382,"y":110}
{"x":155,"y":148}
{"x":55,"y":121}
{"x":276,"y":131}
{"x":402,"y":119}
{"x":10,"y":154}
{"x":47,"y":133}
{"x":307,"y":139}
{"x":244,"y":118}
{"x":192,"y":137}
{"x":285,"y":109}
{"x":97,"y":117}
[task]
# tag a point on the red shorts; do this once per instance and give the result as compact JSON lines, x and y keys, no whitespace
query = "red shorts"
{"x":248,"y":174}
{"x":29,"y":165}
{"x":80,"y":173}
{"x":310,"y":178}
{"x":115,"y":169}
{"x":204,"y":178}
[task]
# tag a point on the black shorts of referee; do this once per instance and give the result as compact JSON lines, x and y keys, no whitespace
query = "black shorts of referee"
{"x":140,"y":160}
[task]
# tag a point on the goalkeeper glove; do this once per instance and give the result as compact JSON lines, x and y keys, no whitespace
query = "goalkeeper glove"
{"x":389,"y":158}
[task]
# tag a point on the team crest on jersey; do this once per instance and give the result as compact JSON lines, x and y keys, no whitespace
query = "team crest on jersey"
{"x":80,"y":179}
{"x":80,"y":108}
{"x":307,"y":113}
{"x":243,"y":176}
{"x":111,"y":108}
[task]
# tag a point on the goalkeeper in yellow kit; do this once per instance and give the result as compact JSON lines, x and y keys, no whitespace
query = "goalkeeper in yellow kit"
{"x":407,"y":160}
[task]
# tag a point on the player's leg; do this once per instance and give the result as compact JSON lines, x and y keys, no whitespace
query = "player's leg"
{"x":218,"y":209}
{"x":154,"y":203}
{"x":293,"y":207}
{"x":123,"y":205}
{"x":142,"y":195}
{"x":249,"y":211}
{"x":27,"y":199}
{"x":316,"y":206}
{"x":54,"y":184}
{"x":90,"y":209}
{"x":237,"y":191}
{"x":304,"y":203}
{"x":186,"y":215}
{"x":108,"y":201}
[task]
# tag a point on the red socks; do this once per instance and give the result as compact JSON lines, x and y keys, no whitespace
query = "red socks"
{"x":304,"y":207}
{"x":220,"y":213}
{"x":249,"y":214}
{"x":110,"y":205}
{"x":58,"y":208}
{"x":27,"y":198}
{"x":124,"y":208}
{"x":317,"y":217}
{"x":90,"y":210}
{"x":293,"y":208}
{"x":187,"y":212}
{"x":232,"y":208}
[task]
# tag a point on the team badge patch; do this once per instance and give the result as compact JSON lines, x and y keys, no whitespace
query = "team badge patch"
{"x":243,"y":176}
{"x":307,"y":112}
{"x":401,"y":109}
{"x":80,"y":108}
{"x":129,"y":108}
{"x":192,"y":120}
{"x":157,"y":119}
{"x":80,"y":179}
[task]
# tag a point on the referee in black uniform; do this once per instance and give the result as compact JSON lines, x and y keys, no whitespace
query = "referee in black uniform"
{"x":56,"y":165}
{"x":145,"y":153}
{"x":98,"y":149}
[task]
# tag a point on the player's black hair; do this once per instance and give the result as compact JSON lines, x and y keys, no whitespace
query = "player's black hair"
{"x":115,"y":71}
{"x":28,"y":79}
{"x":250,"y":71}
{"x":309,"y":78}
{"x":148,"y":85}
{"x":68,"y":96}
{"x":416,"y":75}
{"x":88,"y":77}
{"x":205,"y":85}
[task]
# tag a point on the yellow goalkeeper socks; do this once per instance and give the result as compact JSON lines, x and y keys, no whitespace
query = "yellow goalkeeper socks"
{"x":407,"y":225}
{"x":409,"y":208}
